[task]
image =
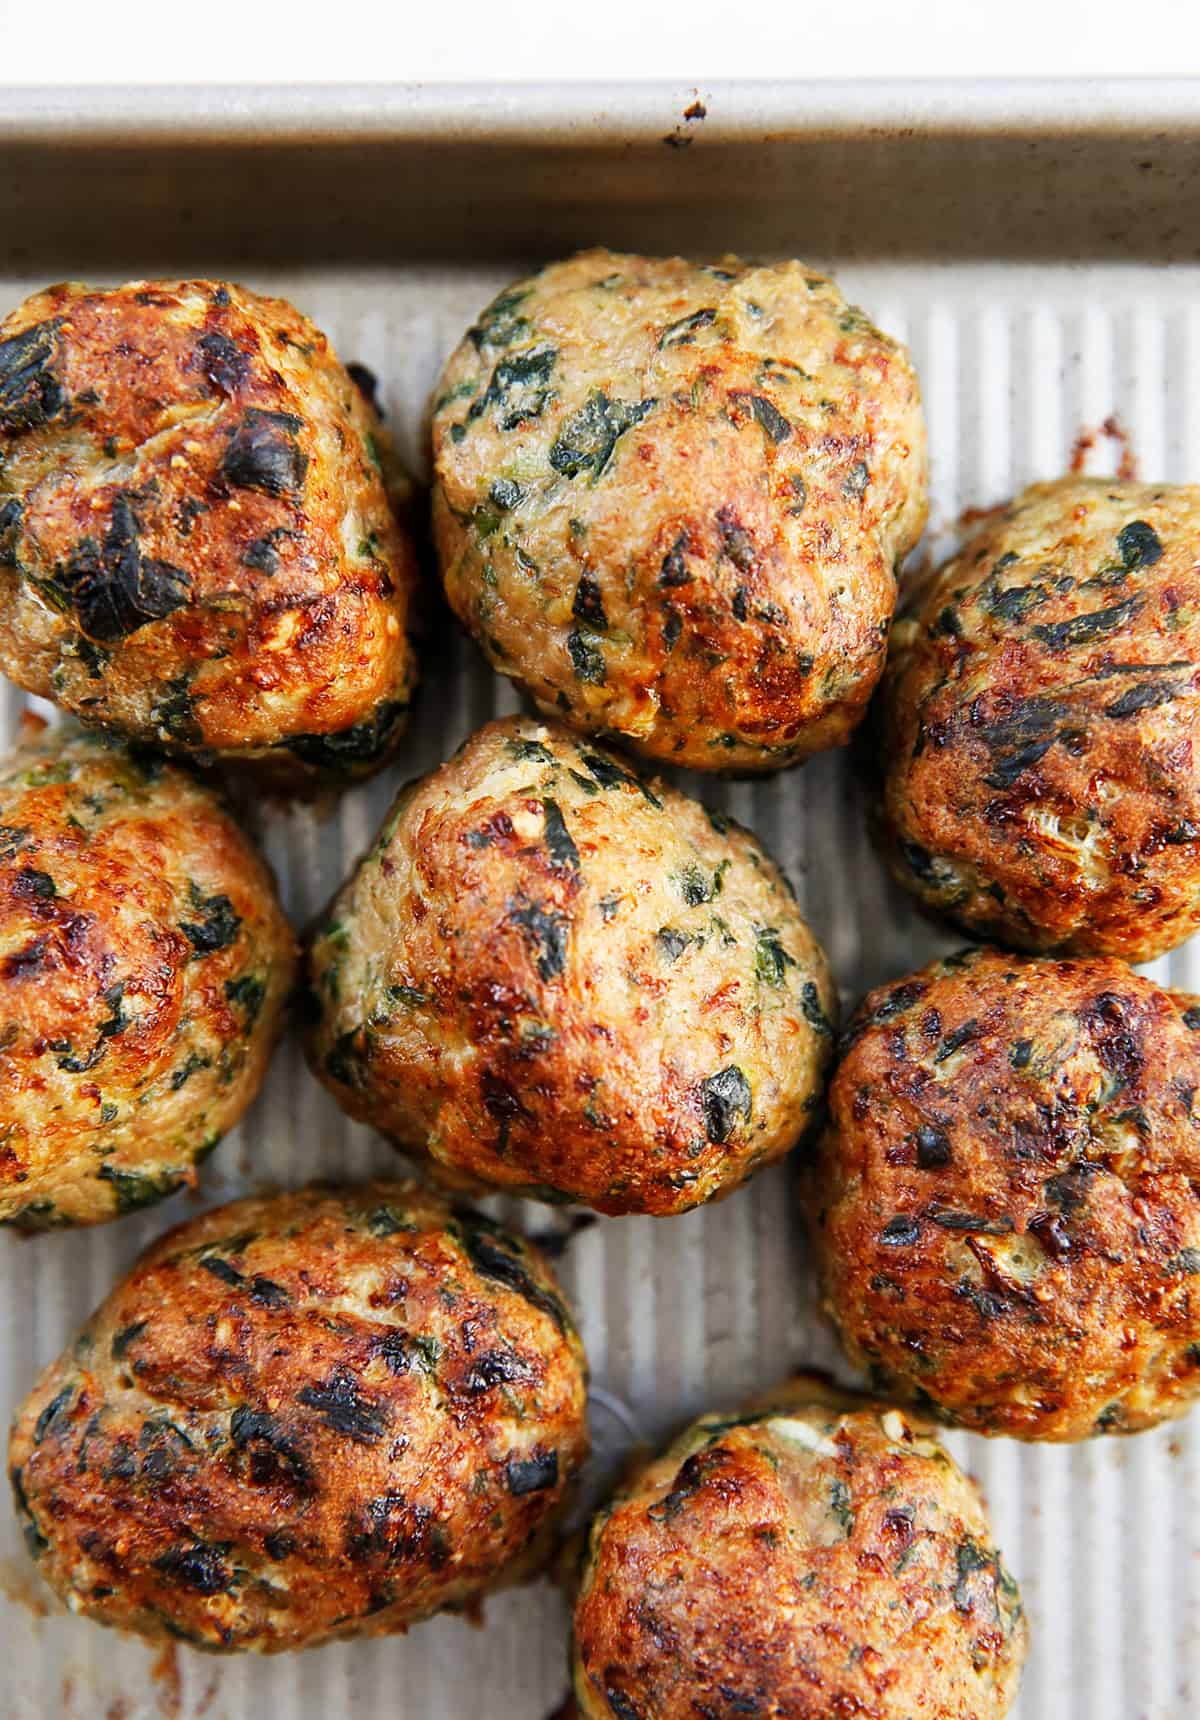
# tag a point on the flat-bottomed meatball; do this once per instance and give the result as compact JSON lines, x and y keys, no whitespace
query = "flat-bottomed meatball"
{"x":197,"y":547}
{"x":550,"y":975}
{"x":323,"y":1414}
{"x":1005,"y":1201}
{"x":670,"y":499}
{"x":1042,"y":724}
{"x":817,"y":1555}
{"x":145,"y":964}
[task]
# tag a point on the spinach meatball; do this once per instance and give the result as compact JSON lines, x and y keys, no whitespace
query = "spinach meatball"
{"x":816,"y":1555}
{"x":670,"y":498}
{"x":555,"y":977}
{"x":197,"y":547}
{"x":1005,"y":1203}
{"x":1042,"y":725}
{"x":144,"y":968}
{"x":322,"y":1414}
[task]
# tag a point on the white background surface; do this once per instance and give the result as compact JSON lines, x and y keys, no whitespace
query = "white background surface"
{"x":135,"y":41}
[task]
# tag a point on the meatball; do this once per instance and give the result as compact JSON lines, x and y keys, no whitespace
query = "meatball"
{"x":197,"y":547}
{"x":1042,"y":725}
{"x":555,"y":977}
{"x":1004,"y":1204}
{"x":669,"y":500}
{"x":322,"y":1414}
{"x":816,"y":1555}
{"x":145,"y":964}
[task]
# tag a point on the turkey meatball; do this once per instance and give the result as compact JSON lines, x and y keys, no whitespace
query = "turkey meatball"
{"x":1042,"y":725}
{"x":1005,"y":1203}
{"x":145,"y":964}
{"x":816,"y":1555}
{"x":670,"y":498}
{"x":552,"y":976}
{"x":322,"y":1414}
{"x":197,"y":547}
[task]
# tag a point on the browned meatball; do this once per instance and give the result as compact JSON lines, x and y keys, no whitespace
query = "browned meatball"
{"x":197,"y":547}
{"x":145,"y":964}
{"x":670,"y":498}
{"x":1042,"y":724}
{"x":322,"y":1414}
{"x":1005,"y":1203}
{"x":550,"y":975}
{"x":817,"y":1555}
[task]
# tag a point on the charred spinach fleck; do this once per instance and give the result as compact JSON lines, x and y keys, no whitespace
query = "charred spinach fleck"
{"x":674,"y":570}
{"x":505,"y":493}
{"x":545,"y":932}
{"x":30,"y":391}
{"x":494,"y":1254}
{"x":348,"y":748}
{"x":112,"y":587}
{"x":725,"y":1099}
{"x":532,"y":1474}
{"x":134,"y":1189}
{"x":499,"y":325}
{"x":196,"y":1567}
{"x":1139,"y":545}
{"x":517,"y":388}
{"x":559,"y":840}
{"x":588,"y":604}
{"x":587,"y":439}
{"x":681,"y":333}
{"x":587,"y":659}
{"x":51,"y":1413}
{"x":1086,"y":628}
{"x":771,"y":960}
{"x":765,"y":411}
{"x":263,"y":454}
{"x":217,"y":925}
{"x":343,"y":1406}
{"x":247,"y":992}
{"x":1146,"y":696}
{"x":813,"y":1010}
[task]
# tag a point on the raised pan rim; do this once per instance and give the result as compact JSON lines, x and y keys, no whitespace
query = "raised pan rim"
{"x":588,"y":114}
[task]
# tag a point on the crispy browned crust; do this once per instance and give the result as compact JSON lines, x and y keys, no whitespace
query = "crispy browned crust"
{"x":670,"y":498}
{"x":196,"y":543}
{"x":1042,"y":724}
{"x":1004,"y":1204}
{"x":818,"y":1557}
{"x":551,"y":975}
{"x":145,"y":965}
{"x":322,"y":1414}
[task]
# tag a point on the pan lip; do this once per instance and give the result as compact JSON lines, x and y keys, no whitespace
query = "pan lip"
{"x":587,"y":114}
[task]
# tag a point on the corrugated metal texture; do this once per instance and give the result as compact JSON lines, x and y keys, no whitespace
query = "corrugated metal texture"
{"x":1015,"y":361}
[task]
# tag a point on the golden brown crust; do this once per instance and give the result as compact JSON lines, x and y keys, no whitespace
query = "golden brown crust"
{"x":321,"y":1414}
{"x":1042,"y":724}
{"x":196,"y":544}
{"x":553,"y":976}
{"x":670,"y":498}
{"x":818,"y":1557}
{"x":1004,"y":1204}
{"x":145,"y":965}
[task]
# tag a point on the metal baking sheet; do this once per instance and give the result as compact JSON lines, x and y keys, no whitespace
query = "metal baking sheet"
{"x":1018,"y":241}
